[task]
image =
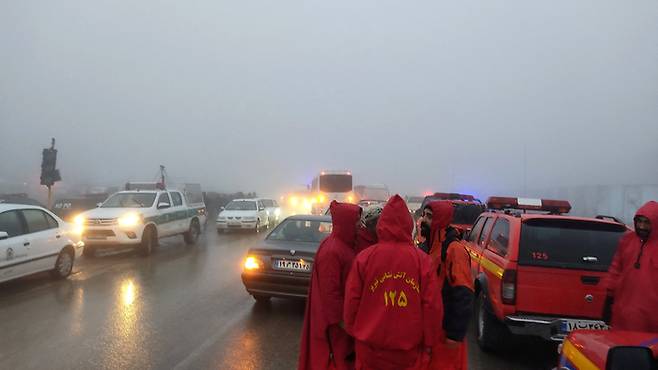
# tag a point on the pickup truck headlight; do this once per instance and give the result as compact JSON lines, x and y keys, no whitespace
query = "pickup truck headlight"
{"x":131,"y":219}
{"x":79,"y":220}
{"x":78,"y":225}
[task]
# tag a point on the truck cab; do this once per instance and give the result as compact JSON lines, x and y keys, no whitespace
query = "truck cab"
{"x":538,"y":271}
{"x":139,"y":218}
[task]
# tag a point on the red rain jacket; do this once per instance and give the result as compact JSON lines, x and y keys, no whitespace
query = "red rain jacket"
{"x":321,"y":333}
{"x":392,"y":303}
{"x":635,"y":290}
{"x":451,"y":260}
{"x":442,"y":213}
{"x":364,"y":239}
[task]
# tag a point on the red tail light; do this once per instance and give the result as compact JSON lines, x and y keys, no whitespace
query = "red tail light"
{"x":508,"y":287}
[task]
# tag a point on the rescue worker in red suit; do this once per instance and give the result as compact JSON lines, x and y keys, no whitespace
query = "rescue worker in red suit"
{"x":367,"y":232}
{"x":325,"y":344}
{"x":632,"y":302}
{"x":451,"y":262}
{"x":392,"y":299}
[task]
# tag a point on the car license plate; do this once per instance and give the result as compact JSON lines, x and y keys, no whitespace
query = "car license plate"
{"x":571,"y":325}
{"x":292,"y":265}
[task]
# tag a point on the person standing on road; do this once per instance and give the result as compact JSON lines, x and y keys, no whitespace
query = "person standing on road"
{"x":631,"y":284}
{"x":324,"y":343}
{"x":392,"y":299}
{"x":451,"y":263}
{"x":367,"y":233}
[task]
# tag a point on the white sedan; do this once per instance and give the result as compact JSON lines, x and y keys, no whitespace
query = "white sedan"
{"x":33,"y":239}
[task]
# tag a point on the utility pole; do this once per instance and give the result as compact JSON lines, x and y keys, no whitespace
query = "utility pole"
{"x":49,"y":172}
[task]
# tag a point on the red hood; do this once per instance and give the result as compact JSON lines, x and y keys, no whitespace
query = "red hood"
{"x":650,"y":211}
{"x":345,"y":217}
{"x":442,"y":213}
{"x":395,"y":224}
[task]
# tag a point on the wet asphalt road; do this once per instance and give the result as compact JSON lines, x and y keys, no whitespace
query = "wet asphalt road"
{"x":180,"y":308}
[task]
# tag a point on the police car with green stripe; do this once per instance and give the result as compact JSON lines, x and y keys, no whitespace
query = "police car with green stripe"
{"x":140,"y":218}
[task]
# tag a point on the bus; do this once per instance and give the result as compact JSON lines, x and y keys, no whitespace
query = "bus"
{"x":331,"y":185}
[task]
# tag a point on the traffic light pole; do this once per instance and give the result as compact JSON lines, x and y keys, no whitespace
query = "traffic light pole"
{"x":50,"y":197}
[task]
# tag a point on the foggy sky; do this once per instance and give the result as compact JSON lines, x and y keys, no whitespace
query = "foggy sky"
{"x":261,"y":96}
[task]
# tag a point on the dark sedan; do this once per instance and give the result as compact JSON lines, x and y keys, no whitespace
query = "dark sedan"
{"x":281,"y":266}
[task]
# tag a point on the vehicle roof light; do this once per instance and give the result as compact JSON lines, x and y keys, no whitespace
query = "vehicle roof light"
{"x":527,"y":204}
{"x":454,"y":196}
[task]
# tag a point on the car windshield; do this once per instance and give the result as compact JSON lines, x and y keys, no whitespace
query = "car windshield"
{"x":466,"y":214}
{"x":130,"y":200}
{"x":241,"y":205}
{"x":587,"y":245}
{"x":301,"y":231}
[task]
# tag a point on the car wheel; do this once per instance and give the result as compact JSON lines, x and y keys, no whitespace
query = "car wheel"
{"x":149,"y":240}
{"x":491,"y":334}
{"x":261,"y":299}
{"x":63,"y":265}
{"x":257,"y":228}
{"x":192,"y":234}
{"x":89,"y":251}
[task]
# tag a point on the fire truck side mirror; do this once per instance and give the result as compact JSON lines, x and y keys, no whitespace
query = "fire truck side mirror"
{"x":630,"y":357}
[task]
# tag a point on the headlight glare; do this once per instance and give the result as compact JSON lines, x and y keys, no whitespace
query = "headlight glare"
{"x":130,"y":219}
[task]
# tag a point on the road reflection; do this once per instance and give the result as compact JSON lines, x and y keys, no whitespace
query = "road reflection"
{"x":268,"y":338}
{"x":77,"y":310}
{"x":126,"y":344}
{"x":128,"y":292}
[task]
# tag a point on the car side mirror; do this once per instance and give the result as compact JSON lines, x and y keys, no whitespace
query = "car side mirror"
{"x":629,"y":357}
{"x":163,"y":205}
{"x":222,"y":208}
{"x":3,"y":235}
{"x":98,"y":205}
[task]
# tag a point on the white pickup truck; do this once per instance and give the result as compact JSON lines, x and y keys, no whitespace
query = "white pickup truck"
{"x":140,"y":218}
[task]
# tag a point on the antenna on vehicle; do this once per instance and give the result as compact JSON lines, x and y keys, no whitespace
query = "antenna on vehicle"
{"x":163,"y":172}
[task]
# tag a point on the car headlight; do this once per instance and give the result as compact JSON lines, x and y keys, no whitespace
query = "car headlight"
{"x":251,"y":263}
{"x":130,"y":219}
{"x":79,"y":220}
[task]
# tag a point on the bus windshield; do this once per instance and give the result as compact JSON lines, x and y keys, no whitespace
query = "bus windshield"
{"x":336,"y":183}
